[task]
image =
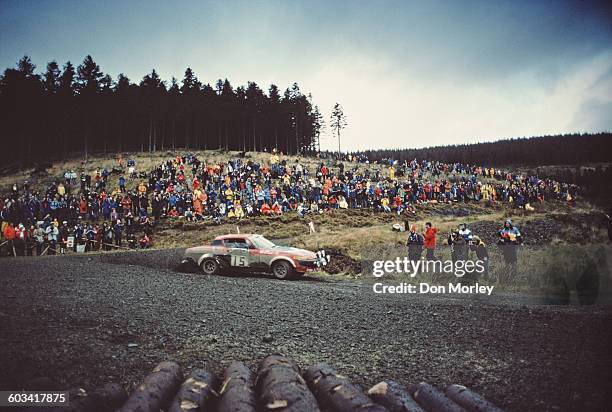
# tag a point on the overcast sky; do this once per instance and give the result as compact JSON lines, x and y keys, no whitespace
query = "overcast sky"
{"x":408,"y":74}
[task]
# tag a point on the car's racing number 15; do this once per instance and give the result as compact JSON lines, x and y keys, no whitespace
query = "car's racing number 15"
{"x":239,"y":261}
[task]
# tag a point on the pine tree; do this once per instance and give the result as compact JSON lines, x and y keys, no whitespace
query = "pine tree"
{"x":338,"y":121}
{"x":88,"y":87}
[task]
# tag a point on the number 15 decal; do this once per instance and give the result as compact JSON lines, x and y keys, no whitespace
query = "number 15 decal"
{"x":239,"y":261}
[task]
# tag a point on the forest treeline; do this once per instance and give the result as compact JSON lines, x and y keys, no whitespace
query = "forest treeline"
{"x":67,"y":109}
{"x":574,"y":153}
{"x":567,"y":149}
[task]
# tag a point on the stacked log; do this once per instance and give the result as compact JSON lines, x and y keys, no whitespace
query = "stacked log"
{"x":282,"y":388}
{"x":431,"y":399}
{"x":279,"y":386}
{"x":471,"y":401}
{"x":236,"y":393}
{"x":196,"y":393}
{"x":157,"y":389}
{"x":394,"y":396}
{"x":336,"y":393}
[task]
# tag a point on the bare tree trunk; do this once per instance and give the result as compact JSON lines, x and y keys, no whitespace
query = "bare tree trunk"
{"x":155,"y":137}
{"x":85,"y":143}
{"x":196,"y":134}
{"x":150,"y":133}
{"x":226,"y":136}
{"x":187,"y":135}
{"x":288,"y":144}
{"x":276,"y":135}
{"x":65,"y":144}
{"x":254,"y":141}
{"x":173,"y":133}
{"x":105,"y":137}
{"x":120,"y":136}
{"x":163,"y":134}
{"x":30,"y":149}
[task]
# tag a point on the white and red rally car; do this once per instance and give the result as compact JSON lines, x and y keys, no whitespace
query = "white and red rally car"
{"x":254,"y":253}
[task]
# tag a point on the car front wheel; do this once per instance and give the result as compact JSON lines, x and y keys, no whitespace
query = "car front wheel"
{"x":283,"y":270}
{"x":210,"y":266}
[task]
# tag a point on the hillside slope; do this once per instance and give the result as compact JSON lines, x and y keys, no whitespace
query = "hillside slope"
{"x":348,"y":233}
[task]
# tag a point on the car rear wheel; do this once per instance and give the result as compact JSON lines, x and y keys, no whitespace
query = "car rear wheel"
{"x":210,"y":266}
{"x":283,"y":270}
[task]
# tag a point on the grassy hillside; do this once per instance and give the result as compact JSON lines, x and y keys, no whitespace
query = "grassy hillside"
{"x":348,"y":233}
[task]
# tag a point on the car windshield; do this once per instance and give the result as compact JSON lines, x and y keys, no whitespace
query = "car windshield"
{"x":262,"y":243}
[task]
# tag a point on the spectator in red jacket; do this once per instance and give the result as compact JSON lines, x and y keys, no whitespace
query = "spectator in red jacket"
{"x":9,"y":232}
{"x":430,"y":241}
{"x":9,"y":236}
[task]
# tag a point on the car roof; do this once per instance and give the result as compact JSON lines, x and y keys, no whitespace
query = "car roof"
{"x":235,"y":236}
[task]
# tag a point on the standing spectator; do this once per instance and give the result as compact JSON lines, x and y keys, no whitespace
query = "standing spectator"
{"x":39,"y":239}
{"x":415,"y":244}
{"x":509,"y":240}
{"x":430,"y":241}
{"x":459,"y":247}
{"x":478,"y":246}
{"x":108,"y":235}
{"x":52,"y":233}
{"x":118,"y":231}
{"x":21,"y":235}
{"x":9,"y":236}
{"x":63,"y":237}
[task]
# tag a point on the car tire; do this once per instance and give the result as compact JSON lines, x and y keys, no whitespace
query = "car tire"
{"x":210,"y":266}
{"x":283,"y":270}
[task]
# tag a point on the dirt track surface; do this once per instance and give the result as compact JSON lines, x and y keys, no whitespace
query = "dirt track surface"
{"x":77,"y":320}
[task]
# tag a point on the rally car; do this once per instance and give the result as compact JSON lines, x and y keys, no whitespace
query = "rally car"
{"x":253,"y":253}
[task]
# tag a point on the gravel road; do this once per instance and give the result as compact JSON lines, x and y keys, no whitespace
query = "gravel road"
{"x":93,"y":319}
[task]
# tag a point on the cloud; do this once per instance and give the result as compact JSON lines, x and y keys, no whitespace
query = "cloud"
{"x":408,"y":74}
{"x":389,"y":106}
{"x":594,"y":114}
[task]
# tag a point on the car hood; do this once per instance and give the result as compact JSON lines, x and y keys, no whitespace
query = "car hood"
{"x":307,"y":254}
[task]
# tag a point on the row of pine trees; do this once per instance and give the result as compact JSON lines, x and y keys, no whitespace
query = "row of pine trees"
{"x":567,"y":149}
{"x":66,"y":110}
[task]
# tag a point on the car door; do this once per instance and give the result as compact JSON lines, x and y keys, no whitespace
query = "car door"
{"x":256,"y":257}
{"x":239,"y":256}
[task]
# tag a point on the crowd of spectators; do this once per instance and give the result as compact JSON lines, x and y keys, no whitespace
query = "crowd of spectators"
{"x":118,"y":207}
